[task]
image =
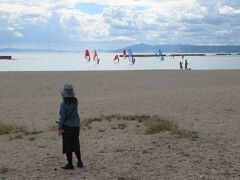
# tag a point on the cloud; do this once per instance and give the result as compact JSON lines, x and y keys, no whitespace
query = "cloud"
{"x":10,"y":28}
{"x":223,"y":32}
{"x":18,"y":34}
{"x":126,"y":21}
{"x":227,"y":10}
{"x":122,"y":38}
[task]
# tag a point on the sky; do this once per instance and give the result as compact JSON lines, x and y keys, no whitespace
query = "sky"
{"x":113,"y":24}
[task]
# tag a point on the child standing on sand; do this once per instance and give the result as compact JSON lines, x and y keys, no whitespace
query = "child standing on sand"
{"x":69,"y":126}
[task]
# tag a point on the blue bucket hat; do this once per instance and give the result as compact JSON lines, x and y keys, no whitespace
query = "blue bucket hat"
{"x":68,"y":91}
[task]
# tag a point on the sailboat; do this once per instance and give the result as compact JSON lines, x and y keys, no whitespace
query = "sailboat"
{"x":116,"y":58}
{"x":95,"y":56}
{"x":87,"y":55}
{"x":130,"y":56}
{"x":124,"y":54}
{"x":160,"y":55}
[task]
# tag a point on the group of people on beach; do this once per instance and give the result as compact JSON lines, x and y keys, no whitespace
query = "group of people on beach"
{"x":185,"y":64}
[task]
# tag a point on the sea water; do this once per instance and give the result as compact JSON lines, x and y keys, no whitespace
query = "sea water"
{"x":76,"y":62}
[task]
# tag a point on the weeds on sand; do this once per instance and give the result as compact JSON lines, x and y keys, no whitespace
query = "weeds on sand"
{"x":3,"y":170}
{"x":160,"y":124}
{"x":8,"y":128}
{"x":88,"y":122}
{"x":157,"y":124}
{"x":34,"y":131}
{"x":140,"y":118}
{"x":153,"y":124}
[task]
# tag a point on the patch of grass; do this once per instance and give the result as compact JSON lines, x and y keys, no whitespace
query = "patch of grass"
{"x":153,"y":124}
{"x":159,"y":124}
{"x":89,"y":121}
{"x":3,"y":170}
{"x":34,"y":131}
{"x":8,"y":128}
{"x":139,"y":118}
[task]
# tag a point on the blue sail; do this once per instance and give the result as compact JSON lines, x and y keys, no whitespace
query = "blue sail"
{"x":130,"y":55}
{"x":160,"y":55}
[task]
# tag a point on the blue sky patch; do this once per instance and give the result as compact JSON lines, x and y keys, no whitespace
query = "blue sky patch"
{"x":90,"y":8}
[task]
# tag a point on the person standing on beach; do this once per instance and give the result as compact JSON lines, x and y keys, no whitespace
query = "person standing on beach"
{"x":69,"y":126}
{"x":186,"y":64}
{"x":181,"y":65}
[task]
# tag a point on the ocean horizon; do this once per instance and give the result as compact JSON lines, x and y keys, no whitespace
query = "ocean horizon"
{"x":70,"y":61}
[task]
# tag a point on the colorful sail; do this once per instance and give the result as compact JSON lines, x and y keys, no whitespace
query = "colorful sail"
{"x":130,"y":55}
{"x":95,"y":56}
{"x":115,"y":57}
{"x":87,"y":55}
{"x":124,"y":53}
{"x":160,"y":55}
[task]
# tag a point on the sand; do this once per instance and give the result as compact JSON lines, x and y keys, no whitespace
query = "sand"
{"x":207,"y":102}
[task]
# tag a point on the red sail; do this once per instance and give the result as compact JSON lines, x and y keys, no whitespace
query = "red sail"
{"x":87,"y":54}
{"x":116,"y":57}
{"x":124,"y":53}
{"x":95,"y":55}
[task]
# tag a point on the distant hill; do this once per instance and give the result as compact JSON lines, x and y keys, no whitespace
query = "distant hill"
{"x":145,"y":48}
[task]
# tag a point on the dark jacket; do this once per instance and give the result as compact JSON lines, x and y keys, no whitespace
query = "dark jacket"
{"x":69,"y":113}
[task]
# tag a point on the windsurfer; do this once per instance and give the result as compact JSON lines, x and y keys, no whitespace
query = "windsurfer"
{"x":133,"y":61}
{"x":116,"y":58}
{"x":87,"y":55}
{"x":124,"y":54}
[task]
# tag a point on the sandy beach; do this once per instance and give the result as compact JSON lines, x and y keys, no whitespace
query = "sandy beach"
{"x":206,"y":102}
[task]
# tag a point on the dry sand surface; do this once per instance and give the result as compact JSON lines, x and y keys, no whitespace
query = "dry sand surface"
{"x":207,"y":102}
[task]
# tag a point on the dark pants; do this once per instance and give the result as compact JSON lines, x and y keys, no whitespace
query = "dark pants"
{"x":71,"y":142}
{"x":70,"y":139}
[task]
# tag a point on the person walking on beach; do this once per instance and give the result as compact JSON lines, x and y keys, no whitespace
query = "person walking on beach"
{"x":133,"y":61}
{"x":69,"y":126}
{"x":186,"y":64}
{"x":181,"y":65}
